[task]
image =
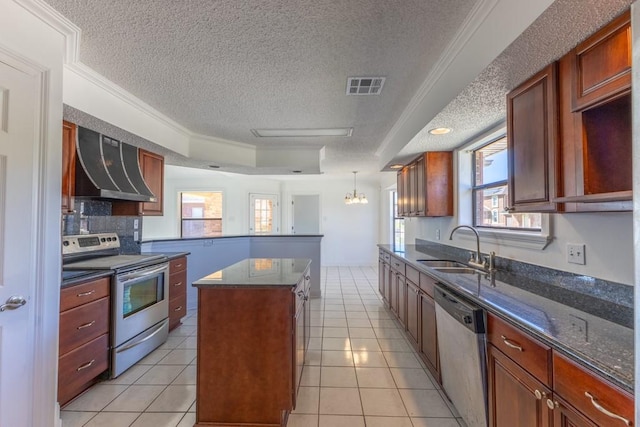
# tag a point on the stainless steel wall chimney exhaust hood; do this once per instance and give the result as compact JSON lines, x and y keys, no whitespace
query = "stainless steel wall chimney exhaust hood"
{"x":109,"y":169}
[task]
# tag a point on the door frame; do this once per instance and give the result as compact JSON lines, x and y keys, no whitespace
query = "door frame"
{"x":277,"y":218}
{"x":47,"y":258}
{"x":290,"y":218}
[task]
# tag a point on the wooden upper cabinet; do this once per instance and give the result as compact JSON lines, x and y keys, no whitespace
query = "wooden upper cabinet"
{"x":595,"y":118}
{"x":532,"y":138}
{"x":427,"y":185}
{"x":68,"y":166}
{"x":152,"y":167}
{"x":602,"y":64}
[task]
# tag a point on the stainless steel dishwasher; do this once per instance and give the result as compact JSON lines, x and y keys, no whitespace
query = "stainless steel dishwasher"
{"x":462,"y":346}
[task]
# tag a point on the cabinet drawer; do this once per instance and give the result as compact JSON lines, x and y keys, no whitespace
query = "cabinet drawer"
{"x":77,"y":368}
{"x":575,"y":385}
{"x":82,"y":324}
{"x":177,"y":310}
{"x":177,"y":265}
{"x":397,"y":265}
{"x":412,"y":274}
{"x":427,"y":284}
{"x":532,"y":355}
{"x":177,"y":284}
{"x":74,"y":296}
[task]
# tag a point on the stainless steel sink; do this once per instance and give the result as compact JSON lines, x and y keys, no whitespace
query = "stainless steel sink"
{"x":436,"y":263}
{"x":458,"y":270}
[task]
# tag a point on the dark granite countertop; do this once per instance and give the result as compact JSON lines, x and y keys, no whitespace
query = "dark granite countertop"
{"x":70,"y":278}
{"x":593,"y":328}
{"x":227,"y":236}
{"x":169,"y":255}
{"x":257,"y":272}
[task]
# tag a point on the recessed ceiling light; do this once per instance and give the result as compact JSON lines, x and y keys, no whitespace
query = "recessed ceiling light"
{"x":286,"y":133}
{"x":214,"y":166}
{"x":365,"y":85}
{"x":398,"y":166}
{"x":297,"y":171}
{"x":439,"y":131}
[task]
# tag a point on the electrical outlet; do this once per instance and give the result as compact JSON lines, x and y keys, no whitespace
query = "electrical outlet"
{"x":437,"y":234}
{"x":136,"y":223}
{"x":575,"y":253}
{"x":135,"y":236}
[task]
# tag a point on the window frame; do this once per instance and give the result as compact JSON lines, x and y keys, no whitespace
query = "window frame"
{"x":181,"y":219}
{"x":524,"y":238}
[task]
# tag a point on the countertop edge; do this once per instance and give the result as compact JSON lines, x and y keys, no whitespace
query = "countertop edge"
{"x":232,"y":236}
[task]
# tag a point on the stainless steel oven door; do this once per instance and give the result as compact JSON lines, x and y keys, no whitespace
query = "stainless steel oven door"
{"x":141,"y":301}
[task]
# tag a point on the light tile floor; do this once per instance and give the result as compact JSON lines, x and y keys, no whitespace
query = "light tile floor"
{"x":360,"y":371}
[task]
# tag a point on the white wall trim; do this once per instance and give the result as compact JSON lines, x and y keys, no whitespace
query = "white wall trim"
{"x":472,"y":22}
{"x":57,"y":21}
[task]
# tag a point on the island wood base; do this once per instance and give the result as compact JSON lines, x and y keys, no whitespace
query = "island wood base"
{"x":247,"y":367}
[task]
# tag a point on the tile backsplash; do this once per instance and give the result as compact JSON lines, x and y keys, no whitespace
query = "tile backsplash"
{"x":94,"y":216}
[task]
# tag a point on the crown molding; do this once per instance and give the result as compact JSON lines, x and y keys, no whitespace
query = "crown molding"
{"x":58,"y":22}
{"x":474,"y":20}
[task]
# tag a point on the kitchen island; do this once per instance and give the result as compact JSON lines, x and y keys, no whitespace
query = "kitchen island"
{"x":253,"y":331}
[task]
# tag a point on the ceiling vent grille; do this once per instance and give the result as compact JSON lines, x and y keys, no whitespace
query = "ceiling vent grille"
{"x":365,"y":85}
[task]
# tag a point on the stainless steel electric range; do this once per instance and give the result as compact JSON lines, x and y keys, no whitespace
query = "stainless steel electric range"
{"x":139,"y":294}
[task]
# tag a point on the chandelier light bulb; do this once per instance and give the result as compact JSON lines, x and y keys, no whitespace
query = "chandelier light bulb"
{"x":354,"y":198}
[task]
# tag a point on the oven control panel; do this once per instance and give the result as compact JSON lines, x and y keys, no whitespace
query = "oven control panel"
{"x":84,"y":243}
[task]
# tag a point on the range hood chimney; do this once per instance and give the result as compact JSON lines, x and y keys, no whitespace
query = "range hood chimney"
{"x":109,"y":169}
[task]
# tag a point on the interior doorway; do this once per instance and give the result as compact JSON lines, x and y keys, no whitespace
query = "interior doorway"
{"x":305,"y":214}
{"x":264,"y":215}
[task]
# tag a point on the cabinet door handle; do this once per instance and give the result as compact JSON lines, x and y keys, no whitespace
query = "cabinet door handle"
{"x":540,"y":395}
{"x":510,"y":343}
{"x":551,"y":404}
{"x":509,"y":209}
{"x":177,"y":284}
{"x":86,"y":325}
{"x":84,"y":294}
{"x":85,"y":366}
{"x":605,"y":411}
{"x":178,"y":265}
{"x":178,"y":308}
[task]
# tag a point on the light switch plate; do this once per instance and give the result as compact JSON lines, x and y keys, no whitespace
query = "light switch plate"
{"x":575,"y":253}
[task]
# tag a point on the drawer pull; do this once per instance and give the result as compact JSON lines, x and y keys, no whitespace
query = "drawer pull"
{"x":178,"y":308}
{"x":551,"y":404}
{"x":605,"y":411}
{"x":178,"y":265}
{"x":86,"y":325}
{"x":84,"y":294}
{"x":511,"y":344}
{"x":86,"y":365}
{"x":177,"y":284}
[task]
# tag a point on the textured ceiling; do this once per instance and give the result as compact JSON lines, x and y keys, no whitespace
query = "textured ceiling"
{"x":221,"y":68}
{"x":482,"y":104}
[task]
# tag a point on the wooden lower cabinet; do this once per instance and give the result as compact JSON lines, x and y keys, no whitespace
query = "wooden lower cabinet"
{"x":177,"y":291}
{"x":565,"y":416}
{"x":83,"y":337}
{"x":516,"y":397}
{"x":413,"y":313}
{"x":428,"y":335}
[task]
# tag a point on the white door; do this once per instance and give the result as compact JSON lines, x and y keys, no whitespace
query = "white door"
{"x":18,"y":101}
{"x":305,"y":214}
{"x":264,"y":214}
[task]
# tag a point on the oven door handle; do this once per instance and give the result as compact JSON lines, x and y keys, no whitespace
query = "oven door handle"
{"x":131,"y":276}
{"x":148,"y":337}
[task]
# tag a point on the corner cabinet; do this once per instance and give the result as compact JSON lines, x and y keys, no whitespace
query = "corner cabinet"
{"x":68,"y":166}
{"x":532,"y":138}
{"x":595,"y":117}
{"x":152,"y":167}
{"x":425,"y":186}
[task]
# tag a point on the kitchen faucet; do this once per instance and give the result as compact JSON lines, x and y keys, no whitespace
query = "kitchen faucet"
{"x":476,"y":259}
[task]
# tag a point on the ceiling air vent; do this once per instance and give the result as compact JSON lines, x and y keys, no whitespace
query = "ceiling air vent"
{"x":365,"y":85}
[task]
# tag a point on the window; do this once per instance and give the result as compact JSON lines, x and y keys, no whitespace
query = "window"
{"x":491,"y":193}
{"x":263,"y":217}
{"x":398,"y":224}
{"x":200,"y":213}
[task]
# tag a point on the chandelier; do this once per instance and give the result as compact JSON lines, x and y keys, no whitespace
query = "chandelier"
{"x":354,"y":198}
